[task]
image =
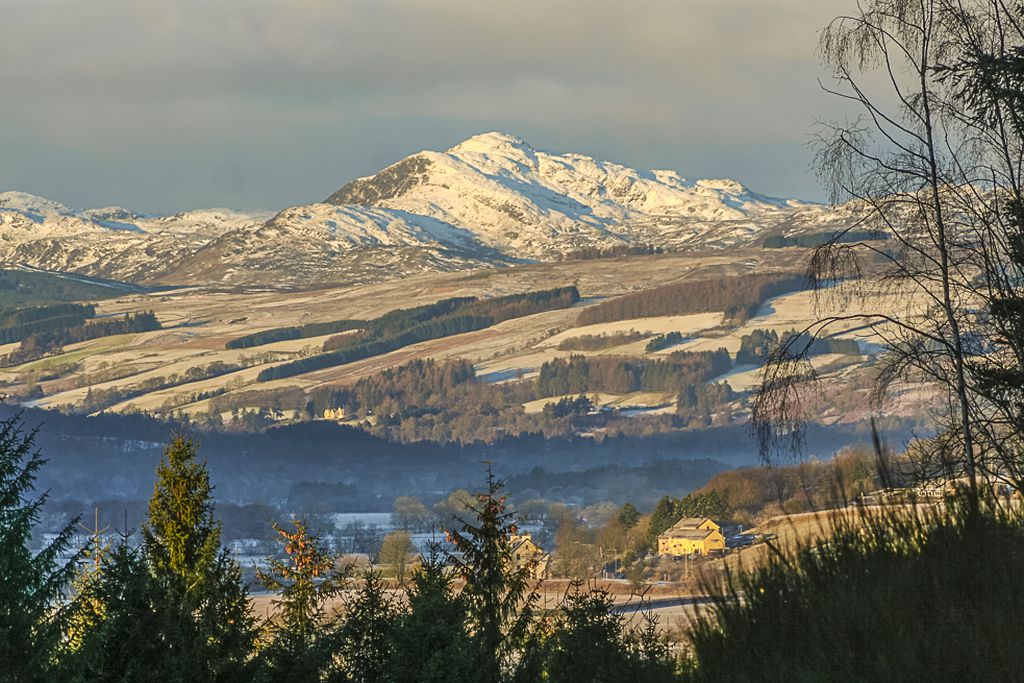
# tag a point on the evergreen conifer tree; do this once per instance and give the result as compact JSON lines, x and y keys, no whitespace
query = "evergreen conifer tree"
{"x":301,"y":636}
{"x":118,"y":633}
{"x":499,"y":594}
{"x":207,"y":620}
{"x":628,"y":516}
{"x":32,"y":618}
{"x":88,"y":609}
{"x":589,"y":642}
{"x":432,"y":643}
{"x":365,"y":641}
{"x":663,"y":517}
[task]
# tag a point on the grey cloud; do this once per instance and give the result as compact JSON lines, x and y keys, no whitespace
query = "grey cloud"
{"x":139,"y":102}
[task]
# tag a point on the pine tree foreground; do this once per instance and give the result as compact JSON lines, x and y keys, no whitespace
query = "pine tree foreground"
{"x":32,"y":619}
{"x":174,"y":608}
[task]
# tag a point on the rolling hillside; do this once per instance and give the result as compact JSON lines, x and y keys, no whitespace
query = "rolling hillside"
{"x":189,"y":366}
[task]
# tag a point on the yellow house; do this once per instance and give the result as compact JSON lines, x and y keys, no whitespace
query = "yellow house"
{"x":524,"y":550}
{"x":334,"y":414}
{"x":691,"y":535}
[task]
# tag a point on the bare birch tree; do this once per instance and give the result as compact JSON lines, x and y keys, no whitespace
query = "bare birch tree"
{"x":934,"y":161}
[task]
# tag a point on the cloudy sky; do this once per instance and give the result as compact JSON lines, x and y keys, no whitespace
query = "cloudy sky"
{"x":167,"y":105}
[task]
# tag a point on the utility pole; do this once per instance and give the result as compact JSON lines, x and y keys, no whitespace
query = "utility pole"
{"x":97,"y":554}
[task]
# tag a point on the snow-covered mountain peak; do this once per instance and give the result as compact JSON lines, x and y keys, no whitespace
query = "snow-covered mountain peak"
{"x":111,"y":242}
{"x":37,"y":208}
{"x":490,"y":200}
{"x":498,"y":154}
{"x":669,"y":177}
{"x":527,"y":202}
{"x":492,"y":142}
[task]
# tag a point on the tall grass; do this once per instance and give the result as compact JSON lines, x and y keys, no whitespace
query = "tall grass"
{"x":902,"y":594}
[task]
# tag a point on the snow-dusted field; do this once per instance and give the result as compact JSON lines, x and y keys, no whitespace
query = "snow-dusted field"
{"x":796,"y":311}
{"x":688,"y":325}
{"x":651,"y":402}
{"x":748,"y":377}
{"x":199,"y":322}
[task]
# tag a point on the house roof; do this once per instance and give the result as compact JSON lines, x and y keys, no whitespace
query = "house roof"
{"x":525,"y":541}
{"x":691,"y":522}
{"x":692,"y":534}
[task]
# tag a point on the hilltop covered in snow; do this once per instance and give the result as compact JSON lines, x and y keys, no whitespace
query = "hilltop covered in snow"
{"x":527,"y":202}
{"x":490,"y":200}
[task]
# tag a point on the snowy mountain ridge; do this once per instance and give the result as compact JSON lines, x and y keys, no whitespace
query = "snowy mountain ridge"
{"x":522,"y":201}
{"x":109,"y":242}
{"x":489,"y":200}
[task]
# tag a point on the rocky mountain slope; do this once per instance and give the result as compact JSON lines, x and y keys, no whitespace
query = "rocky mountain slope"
{"x":491,"y":200}
{"x":523,"y":201}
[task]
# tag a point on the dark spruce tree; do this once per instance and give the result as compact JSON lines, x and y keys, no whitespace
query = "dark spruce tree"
{"x":432,"y":642}
{"x":500,"y":595}
{"x":301,"y":636}
{"x":33,"y":616}
{"x":117,"y":630}
{"x":365,"y":646}
{"x":209,"y":628}
{"x":590,"y":642}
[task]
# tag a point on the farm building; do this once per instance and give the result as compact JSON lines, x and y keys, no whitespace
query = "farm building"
{"x":691,"y":535}
{"x":334,"y":414}
{"x":524,"y":550}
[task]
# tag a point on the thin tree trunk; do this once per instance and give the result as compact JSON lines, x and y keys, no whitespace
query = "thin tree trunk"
{"x":940,"y":224}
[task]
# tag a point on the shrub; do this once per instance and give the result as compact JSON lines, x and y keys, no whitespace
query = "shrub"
{"x":915,"y":595}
